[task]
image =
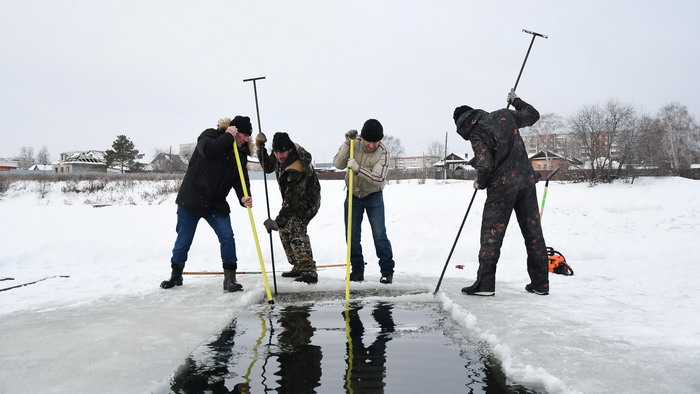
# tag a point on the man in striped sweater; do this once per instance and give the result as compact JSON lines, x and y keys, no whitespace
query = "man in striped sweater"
{"x":370,"y":165}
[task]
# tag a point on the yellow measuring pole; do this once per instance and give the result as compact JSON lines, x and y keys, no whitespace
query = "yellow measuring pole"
{"x":351,"y":355}
{"x":255,"y":348}
{"x":252,"y":225}
{"x":349,"y":235}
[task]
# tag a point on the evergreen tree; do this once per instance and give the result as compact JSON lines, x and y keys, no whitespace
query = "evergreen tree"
{"x":123,"y":153}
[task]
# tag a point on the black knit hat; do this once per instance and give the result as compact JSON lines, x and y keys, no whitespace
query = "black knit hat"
{"x":459,"y":111}
{"x":372,"y":131}
{"x":281,"y":142}
{"x":243,"y":125}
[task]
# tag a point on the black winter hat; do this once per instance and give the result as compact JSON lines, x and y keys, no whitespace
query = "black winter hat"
{"x":372,"y":131}
{"x":281,"y":142}
{"x":459,"y":111}
{"x":243,"y":125}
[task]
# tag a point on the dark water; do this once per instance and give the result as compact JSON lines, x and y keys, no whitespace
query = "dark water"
{"x":304,"y":344}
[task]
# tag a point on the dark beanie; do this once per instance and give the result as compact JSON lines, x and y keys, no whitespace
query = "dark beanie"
{"x":281,"y":142}
{"x":243,"y":125}
{"x":459,"y":111}
{"x":372,"y":131}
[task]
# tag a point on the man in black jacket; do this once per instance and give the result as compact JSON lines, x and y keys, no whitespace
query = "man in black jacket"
{"x":211,"y":174}
{"x":503,"y":169}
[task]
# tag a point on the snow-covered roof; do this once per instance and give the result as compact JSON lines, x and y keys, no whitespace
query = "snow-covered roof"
{"x":41,"y":167}
{"x":546,"y":154}
{"x":88,"y":157}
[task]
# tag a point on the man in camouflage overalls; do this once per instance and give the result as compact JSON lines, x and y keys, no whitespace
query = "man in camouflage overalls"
{"x":301,"y":198}
{"x":504,"y":170}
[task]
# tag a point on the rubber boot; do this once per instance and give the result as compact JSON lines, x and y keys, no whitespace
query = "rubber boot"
{"x":175,"y":277}
{"x":230,"y":283}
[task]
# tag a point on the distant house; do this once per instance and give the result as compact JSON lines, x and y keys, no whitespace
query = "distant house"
{"x":186,"y":150}
{"x":81,"y":162}
{"x":169,"y":163}
{"x":8,"y":164}
{"x":457,"y":166}
{"x":324,"y":167}
{"x":452,"y":162}
{"x":414,"y":162}
{"x":41,"y":168}
{"x":546,"y":160}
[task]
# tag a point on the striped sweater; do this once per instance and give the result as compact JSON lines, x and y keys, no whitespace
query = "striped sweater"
{"x":373,"y":167}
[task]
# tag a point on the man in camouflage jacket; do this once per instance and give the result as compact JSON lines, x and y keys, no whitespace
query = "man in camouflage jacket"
{"x":301,"y":199}
{"x":503,"y":169}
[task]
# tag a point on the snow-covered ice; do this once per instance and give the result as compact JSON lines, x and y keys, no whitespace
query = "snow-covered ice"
{"x":626,"y":322}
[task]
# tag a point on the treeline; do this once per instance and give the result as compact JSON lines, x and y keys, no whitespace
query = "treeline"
{"x":615,"y":138}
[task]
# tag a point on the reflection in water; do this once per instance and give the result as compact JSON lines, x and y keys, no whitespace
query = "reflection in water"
{"x":299,"y":360}
{"x":281,"y":349}
{"x":198,"y":376}
{"x":366,"y":367}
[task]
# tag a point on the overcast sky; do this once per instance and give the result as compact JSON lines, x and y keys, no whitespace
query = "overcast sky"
{"x":75,"y":74}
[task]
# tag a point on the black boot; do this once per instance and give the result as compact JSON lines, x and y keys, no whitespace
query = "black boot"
{"x":309,"y":277}
{"x":230,"y":283}
{"x":387,"y":278}
{"x":478,"y":289}
{"x":175,"y":277}
{"x":485,"y":284}
{"x":293,"y":273}
{"x":356,"y":276}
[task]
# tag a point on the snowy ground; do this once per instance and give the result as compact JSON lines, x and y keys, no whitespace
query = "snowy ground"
{"x":626,"y":322}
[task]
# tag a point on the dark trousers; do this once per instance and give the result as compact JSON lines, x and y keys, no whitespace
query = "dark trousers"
{"x":187,"y":225}
{"x":497,"y":211}
{"x":373,"y":204}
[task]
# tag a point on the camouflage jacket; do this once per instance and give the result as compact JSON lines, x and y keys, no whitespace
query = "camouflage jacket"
{"x":500,"y":157}
{"x":298,"y":182}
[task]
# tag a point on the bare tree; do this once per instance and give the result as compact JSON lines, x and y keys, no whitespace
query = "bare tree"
{"x":622,"y":127}
{"x":435,"y":151}
{"x":26,"y":157}
{"x":393,"y":145}
{"x":43,"y":156}
{"x":549,"y":123}
{"x":678,"y":132}
{"x":599,"y":131}
{"x":544,"y":134}
{"x":647,"y":150}
{"x":435,"y":148}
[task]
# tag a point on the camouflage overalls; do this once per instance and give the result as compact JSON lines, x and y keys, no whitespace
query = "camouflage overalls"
{"x":503,"y":168}
{"x":301,"y":199}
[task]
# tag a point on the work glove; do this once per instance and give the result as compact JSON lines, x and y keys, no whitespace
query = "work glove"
{"x":352,"y":164}
{"x":270,"y":225}
{"x":260,"y":140}
{"x":512,"y":96}
{"x":351,"y":134}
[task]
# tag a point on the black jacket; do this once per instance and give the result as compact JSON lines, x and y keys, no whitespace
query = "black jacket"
{"x":500,"y":157}
{"x":212,"y":173}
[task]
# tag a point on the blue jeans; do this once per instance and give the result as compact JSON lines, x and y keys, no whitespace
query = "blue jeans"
{"x":186,"y":226}
{"x":374,"y":205}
